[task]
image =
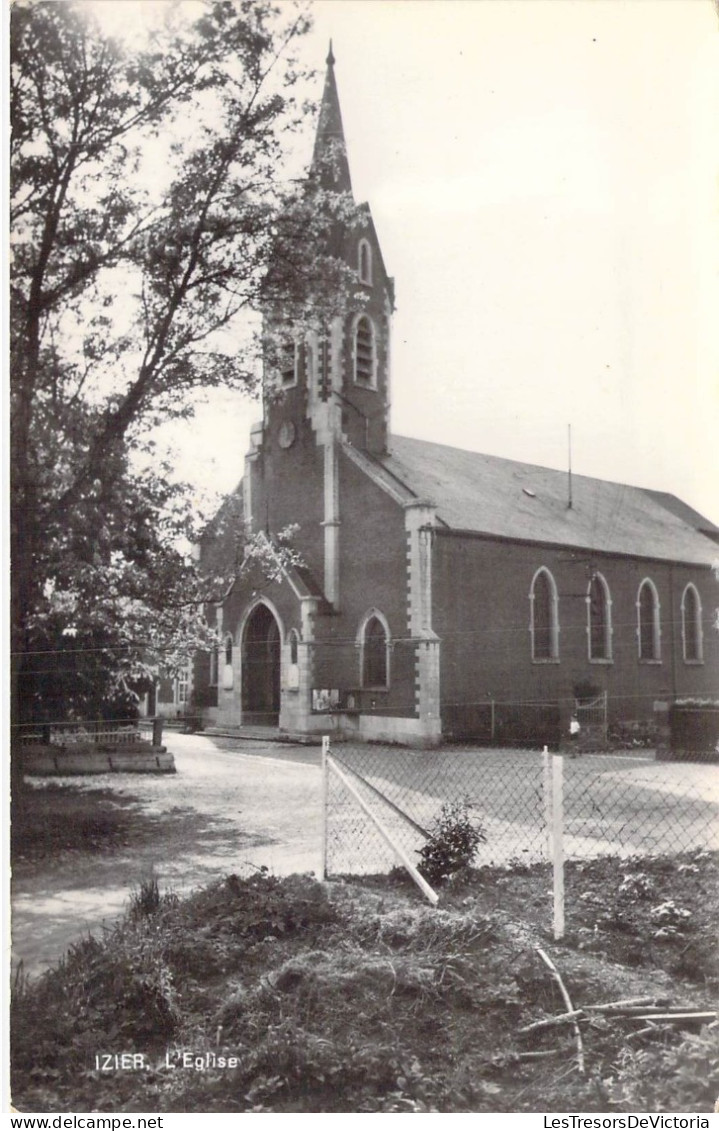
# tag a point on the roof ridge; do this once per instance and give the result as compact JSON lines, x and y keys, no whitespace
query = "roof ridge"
{"x":509,"y":498}
{"x":523,"y":463}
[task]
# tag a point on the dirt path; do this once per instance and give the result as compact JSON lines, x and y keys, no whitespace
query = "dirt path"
{"x":231,"y":806}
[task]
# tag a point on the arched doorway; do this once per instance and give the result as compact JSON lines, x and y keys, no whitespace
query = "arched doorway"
{"x":261,"y":668}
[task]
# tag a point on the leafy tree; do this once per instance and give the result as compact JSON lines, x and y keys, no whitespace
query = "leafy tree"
{"x":146,"y":205}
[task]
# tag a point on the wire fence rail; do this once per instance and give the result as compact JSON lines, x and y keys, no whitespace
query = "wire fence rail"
{"x":382,"y":802}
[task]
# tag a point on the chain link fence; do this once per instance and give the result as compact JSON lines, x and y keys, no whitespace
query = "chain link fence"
{"x":405,"y":790}
{"x":380,"y":799}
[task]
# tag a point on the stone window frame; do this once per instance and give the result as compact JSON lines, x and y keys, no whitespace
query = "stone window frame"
{"x":364,"y":262}
{"x":608,"y":630}
{"x":698,"y":626}
{"x":553,"y":657}
{"x":656,"y":657}
{"x":374,"y":615}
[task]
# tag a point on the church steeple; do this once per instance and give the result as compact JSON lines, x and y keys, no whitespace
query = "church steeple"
{"x":329,"y":160}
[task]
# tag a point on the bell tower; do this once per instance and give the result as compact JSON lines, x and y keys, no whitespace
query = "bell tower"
{"x":343,"y":371}
{"x":330,"y":385}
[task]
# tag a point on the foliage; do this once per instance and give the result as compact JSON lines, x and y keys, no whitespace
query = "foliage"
{"x":625,"y":735}
{"x":146,"y":900}
{"x":669,"y":1077}
{"x":359,"y":997}
{"x":637,"y":918}
{"x":453,"y":841}
{"x":146,"y":208}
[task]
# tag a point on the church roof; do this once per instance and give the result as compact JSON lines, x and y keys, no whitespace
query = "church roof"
{"x":220,"y":544}
{"x":503,"y":498}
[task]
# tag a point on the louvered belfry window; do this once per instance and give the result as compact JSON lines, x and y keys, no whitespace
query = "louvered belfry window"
{"x":364,"y":352}
{"x":288,"y":363}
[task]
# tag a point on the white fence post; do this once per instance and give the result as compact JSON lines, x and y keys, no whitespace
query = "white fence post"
{"x":558,"y":843}
{"x":547,"y":794}
{"x":325,"y":801}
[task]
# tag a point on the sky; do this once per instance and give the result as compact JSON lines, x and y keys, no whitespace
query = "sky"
{"x":542,"y":175}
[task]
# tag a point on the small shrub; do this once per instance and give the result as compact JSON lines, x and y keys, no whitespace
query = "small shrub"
{"x":146,"y":900}
{"x":681,"y":1077}
{"x":452,"y":843}
{"x":636,"y":885}
{"x":625,"y":735}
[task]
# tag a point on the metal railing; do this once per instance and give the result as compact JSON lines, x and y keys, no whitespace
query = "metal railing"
{"x":113,"y":732}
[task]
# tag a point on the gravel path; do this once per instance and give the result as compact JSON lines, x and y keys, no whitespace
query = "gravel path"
{"x":235,"y":805}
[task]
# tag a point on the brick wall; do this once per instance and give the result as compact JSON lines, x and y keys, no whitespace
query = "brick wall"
{"x":481,"y":612}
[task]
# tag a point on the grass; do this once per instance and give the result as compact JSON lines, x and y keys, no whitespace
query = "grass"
{"x":59,"y":818}
{"x":355,"y":996}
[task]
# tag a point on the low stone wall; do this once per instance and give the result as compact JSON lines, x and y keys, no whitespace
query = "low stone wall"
{"x":51,"y":760}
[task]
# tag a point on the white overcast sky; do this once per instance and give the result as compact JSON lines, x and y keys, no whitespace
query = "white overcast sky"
{"x":543,"y":176}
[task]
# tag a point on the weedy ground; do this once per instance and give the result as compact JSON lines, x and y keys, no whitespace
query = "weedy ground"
{"x":357,"y":996}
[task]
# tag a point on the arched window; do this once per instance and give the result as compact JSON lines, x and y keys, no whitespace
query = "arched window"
{"x":544,"y":623}
{"x":374,"y":643}
{"x":228,"y":650}
{"x":364,"y":352}
{"x":599,"y":619}
{"x":214,"y":666}
{"x":692,"y":626}
{"x":365,"y":262}
{"x":294,"y":645}
{"x":648,"y":628}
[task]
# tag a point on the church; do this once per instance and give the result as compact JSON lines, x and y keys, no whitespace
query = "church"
{"x":437,"y":593}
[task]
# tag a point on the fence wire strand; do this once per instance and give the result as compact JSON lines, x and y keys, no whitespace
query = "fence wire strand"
{"x":623,"y":804}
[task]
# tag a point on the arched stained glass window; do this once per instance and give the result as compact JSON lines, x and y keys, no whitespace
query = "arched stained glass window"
{"x":692,"y":625}
{"x":599,"y":614}
{"x":545,"y":618}
{"x":374,"y":654}
{"x":648,"y":627}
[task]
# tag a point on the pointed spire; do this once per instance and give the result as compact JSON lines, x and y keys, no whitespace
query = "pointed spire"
{"x":329,"y":160}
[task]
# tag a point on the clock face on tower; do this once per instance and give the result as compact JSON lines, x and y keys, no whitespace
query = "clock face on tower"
{"x":287,"y":434}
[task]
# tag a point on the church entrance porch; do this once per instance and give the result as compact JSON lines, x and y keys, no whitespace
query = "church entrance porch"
{"x":261,"y":669}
